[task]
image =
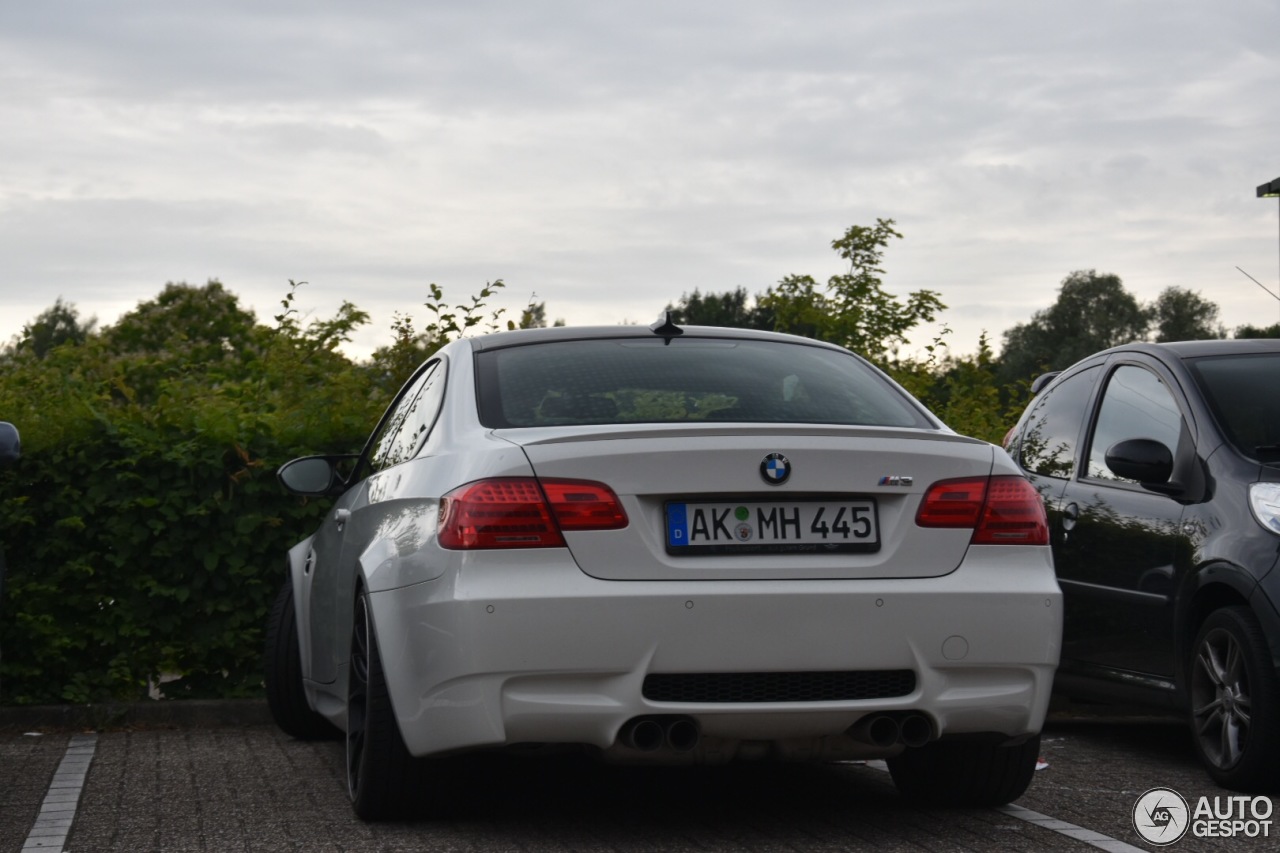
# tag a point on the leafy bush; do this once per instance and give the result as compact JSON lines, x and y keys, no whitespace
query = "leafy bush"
{"x":143,"y":527}
{"x":964,"y":391}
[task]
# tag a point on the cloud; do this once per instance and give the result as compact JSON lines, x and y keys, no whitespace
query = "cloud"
{"x":610,"y":157}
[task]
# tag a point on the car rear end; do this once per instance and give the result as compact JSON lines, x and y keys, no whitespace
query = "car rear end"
{"x":715,"y":546}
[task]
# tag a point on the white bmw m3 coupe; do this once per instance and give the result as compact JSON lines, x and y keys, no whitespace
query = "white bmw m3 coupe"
{"x":665,"y":544}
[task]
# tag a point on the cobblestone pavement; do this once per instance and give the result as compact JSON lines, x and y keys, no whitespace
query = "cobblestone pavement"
{"x":252,"y":788}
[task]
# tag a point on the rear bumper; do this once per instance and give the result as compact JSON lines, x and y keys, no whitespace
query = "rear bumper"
{"x":537,"y":652}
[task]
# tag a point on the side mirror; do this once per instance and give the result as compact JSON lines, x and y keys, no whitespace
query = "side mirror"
{"x":313,"y":476}
{"x":10,"y":444}
{"x":1142,"y":459}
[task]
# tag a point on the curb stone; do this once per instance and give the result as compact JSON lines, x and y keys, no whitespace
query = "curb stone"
{"x":177,"y":713}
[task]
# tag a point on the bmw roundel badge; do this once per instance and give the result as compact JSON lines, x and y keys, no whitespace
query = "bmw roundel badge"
{"x":775,"y":469}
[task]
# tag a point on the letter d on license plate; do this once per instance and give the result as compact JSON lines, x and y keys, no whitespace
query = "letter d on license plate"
{"x":826,"y":526}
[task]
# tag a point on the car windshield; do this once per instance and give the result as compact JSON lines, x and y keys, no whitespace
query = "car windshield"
{"x":1240,"y":390}
{"x":630,"y":380}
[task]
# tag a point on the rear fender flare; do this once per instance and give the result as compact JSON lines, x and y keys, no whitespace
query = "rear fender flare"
{"x":404,"y":552}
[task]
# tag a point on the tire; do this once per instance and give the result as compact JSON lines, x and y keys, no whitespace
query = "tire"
{"x":282,"y":674}
{"x":383,"y":779}
{"x":1235,"y":701}
{"x":965,"y":773}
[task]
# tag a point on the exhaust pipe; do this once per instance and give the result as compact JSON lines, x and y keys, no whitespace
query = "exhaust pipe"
{"x":682,"y":734}
{"x":916,"y":730}
{"x":642,"y":734}
{"x":879,"y":730}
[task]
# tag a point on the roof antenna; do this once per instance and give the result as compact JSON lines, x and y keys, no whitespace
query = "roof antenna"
{"x":666,"y":327}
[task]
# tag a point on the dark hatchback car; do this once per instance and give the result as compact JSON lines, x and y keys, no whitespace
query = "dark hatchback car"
{"x":1159,"y":465}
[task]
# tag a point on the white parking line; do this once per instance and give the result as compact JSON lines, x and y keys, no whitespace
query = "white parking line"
{"x":59,"y":808}
{"x":1070,"y":830}
{"x":1088,"y":836}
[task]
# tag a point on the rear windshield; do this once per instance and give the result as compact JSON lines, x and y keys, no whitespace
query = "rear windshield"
{"x":1242,"y":392}
{"x":623,"y":381}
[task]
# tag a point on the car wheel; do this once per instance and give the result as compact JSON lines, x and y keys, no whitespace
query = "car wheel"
{"x":383,"y":779}
{"x":965,"y":773}
{"x":1235,"y":701}
{"x":283,"y":673}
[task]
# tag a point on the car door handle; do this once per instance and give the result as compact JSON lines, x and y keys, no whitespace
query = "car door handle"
{"x":1070,"y":514}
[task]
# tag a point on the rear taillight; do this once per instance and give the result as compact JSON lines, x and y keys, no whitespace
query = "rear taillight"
{"x":582,"y":505}
{"x":1004,"y":510}
{"x":520,"y":512}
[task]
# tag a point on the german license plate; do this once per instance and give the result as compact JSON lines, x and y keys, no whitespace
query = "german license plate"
{"x":746,"y":527}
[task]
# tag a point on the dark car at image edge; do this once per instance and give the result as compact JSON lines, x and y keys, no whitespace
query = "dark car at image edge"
{"x":1159,"y":465}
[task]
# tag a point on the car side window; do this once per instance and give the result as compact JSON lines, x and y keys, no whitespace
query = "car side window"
{"x":1048,"y":443}
{"x":406,"y":429}
{"x":1136,"y":404}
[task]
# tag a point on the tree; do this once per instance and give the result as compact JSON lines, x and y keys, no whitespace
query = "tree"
{"x":392,"y":365}
{"x":1184,"y":315}
{"x":56,"y":325}
{"x":852,"y":309}
{"x":534,"y":315}
{"x":729,"y":309}
{"x":453,"y":322}
{"x":1247,"y":331}
{"x":207,"y":319}
{"x":962,"y":390}
{"x":1093,"y":312}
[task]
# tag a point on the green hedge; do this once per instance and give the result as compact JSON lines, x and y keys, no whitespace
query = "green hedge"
{"x":143,"y":528}
{"x":141,"y":551}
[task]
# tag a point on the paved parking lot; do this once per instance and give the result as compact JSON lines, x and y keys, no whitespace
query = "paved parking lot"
{"x":248,"y":787}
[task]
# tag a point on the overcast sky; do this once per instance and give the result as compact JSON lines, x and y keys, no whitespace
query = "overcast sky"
{"x":611,"y":156}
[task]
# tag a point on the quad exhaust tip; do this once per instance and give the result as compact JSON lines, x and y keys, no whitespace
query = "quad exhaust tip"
{"x":916,"y":730}
{"x":649,"y":734}
{"x":681,"y":734}
{"x":885,"y":730}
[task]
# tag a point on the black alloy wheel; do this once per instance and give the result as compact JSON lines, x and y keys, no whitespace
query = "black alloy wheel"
{"x":1235,"y":701}
{"x":357,"y":696}
{"x":383,"y":779}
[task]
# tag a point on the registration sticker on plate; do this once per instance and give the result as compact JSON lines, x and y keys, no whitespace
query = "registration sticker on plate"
{"x":819,"y":526}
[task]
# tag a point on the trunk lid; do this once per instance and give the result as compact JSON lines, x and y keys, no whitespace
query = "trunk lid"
{"x":708,"y":481}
